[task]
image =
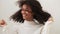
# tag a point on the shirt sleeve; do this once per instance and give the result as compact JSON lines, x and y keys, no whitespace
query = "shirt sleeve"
{"x":11,"y":28}
{"x":47,"y":28}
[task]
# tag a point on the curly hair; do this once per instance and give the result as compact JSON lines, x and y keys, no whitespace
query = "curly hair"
{"x":36,"y":7}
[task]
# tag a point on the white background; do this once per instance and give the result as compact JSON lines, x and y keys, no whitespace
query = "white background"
{"x":8,"y":7}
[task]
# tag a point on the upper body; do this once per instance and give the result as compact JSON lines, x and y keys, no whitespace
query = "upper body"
{"x":32,"y":19}
{"x":28,"y":27}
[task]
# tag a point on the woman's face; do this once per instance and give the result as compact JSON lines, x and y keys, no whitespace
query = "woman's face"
{"x":27,"y":12}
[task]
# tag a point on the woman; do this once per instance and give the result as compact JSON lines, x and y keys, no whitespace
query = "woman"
{"x":31,"y":16}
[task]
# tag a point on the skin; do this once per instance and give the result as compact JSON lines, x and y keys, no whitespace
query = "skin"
{"x":2,"y":23}
{"x":27,"y":12}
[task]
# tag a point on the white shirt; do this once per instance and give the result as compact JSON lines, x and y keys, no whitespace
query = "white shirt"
{"x":28,"y":27}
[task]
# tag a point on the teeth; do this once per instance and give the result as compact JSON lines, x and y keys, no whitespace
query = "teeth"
{"x":24,"y":15}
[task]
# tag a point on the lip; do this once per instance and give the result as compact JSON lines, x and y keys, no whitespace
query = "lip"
{"x":24,"y":15}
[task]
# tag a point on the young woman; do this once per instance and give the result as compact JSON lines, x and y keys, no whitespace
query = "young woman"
{"x":31,"y":16}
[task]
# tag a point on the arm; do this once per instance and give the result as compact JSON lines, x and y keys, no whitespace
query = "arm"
{"x":47,"y":27}
{"x":8,"y":29}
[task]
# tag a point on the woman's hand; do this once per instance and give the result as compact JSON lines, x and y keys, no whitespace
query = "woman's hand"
{"x":2,"y":23}
{"x":51,"y":19}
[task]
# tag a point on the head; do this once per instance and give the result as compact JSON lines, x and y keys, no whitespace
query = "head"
{"x":26,"y":12}
{"x":30,"y":10}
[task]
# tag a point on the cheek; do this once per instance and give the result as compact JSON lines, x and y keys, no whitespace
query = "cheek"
{"x":22,"y":12}
{"x":29,"y":14}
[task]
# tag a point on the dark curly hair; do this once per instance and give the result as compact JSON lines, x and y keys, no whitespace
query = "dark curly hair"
{"x":36,"y":7}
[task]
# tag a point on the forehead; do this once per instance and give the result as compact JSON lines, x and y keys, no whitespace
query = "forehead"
{"x":25,"y":6}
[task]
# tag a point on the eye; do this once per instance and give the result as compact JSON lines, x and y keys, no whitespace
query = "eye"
{"x":27,"y":10}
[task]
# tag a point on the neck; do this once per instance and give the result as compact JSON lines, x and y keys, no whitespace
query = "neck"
{"x":31,"y":19}
{"x":31,"y":22}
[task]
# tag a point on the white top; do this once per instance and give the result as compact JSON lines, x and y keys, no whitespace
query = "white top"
{"x":28,"y":27}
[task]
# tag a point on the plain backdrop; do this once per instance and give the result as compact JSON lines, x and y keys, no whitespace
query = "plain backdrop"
{"x":9,"y":7}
